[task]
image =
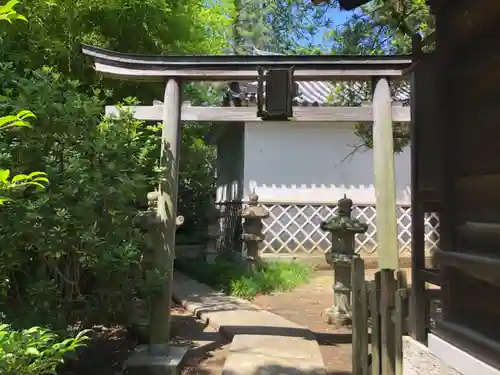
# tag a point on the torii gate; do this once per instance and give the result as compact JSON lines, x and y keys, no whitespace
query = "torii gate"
{"x":174,"y":70}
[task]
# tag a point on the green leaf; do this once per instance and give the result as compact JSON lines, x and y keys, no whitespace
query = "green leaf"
{"x":32,"y":351}
{"x":37,"y":174}
{"x":6,"y":120}
{"x":7,"y":12}
{"x":3,"y":200}
{"x":83,"y":334}
{"x":9,"y":5}
{"x":33,"y":183}
{"x":24,"y":114}
{"x":16,"y":120}
{"x":19,"y":177}
{"x":41,"y":179}
{"x":33,"y":329}
{"x":4,"y":175}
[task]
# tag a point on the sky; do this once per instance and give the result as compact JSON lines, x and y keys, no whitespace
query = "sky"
{"x":338,"y":17}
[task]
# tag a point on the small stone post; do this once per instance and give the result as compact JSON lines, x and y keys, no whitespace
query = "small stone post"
{"x":343,"y":228}
{"x":252,"y":228}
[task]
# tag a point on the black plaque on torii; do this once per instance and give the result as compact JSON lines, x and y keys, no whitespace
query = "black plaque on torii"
{"x":276,"y":104}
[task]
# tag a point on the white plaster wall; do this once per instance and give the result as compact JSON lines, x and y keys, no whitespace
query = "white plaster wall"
{"x":301,"y":162}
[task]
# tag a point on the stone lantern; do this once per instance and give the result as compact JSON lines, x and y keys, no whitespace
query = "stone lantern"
{"x":252,"y":227}
{"x":343,"y":228}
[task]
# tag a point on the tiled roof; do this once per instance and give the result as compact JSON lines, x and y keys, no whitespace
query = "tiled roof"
{"x":321,"y":93}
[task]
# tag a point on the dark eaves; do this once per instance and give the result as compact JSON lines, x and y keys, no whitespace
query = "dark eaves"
{"x":352,"y":4}
{"x":344,"y":4}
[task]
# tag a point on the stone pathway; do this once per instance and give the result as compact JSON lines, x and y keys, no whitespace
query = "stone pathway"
{"x":207,"y":349}
{"x":305,"y":306}
{"x":262,"y":342}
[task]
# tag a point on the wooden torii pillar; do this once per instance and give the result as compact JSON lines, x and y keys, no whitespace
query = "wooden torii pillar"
{"x":167,"y":212}
{"x":160,"y":355}
{"x":385,"y":182}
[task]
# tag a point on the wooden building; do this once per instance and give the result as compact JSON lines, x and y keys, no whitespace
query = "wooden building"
{"x":456,"y":172}
{"x":466,"y":78}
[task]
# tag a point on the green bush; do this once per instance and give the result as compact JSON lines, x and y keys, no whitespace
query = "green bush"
{"x":243,"y":281}
{"x":74,"y":248}
{"x":196,"y":180}
{"x":34,"y":351}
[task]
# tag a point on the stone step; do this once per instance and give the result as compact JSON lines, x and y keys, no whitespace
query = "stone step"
{"x":262,"y":342}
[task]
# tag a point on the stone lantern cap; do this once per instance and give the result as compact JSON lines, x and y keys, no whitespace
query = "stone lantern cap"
{"x":254,"y":210}
{"x":343,"y":222}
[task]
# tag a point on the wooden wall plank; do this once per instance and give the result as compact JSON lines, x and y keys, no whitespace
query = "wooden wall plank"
{"x":374,"y":297}
{"x":359,"y":304}
{"x":463,"y":22}
{"x":387,"y":299}
{"x":478,"y":198}
{"x":399,"y":319}
{"x":468,"y":88}
{"x":425,"y":127}
{"x":425,"y":180}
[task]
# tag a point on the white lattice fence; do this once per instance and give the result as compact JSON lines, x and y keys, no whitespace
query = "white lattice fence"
{"x":295,"y":229}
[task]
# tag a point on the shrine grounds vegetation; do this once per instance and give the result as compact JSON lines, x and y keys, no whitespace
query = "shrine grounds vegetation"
{"x":70,"y":247}
{"x":239,"y":280}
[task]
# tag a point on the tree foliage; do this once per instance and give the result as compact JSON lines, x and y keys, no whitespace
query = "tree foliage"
{"x":381,"y":27}
{"x":33,"y":351}
{"x":7,"y":183}
{"x":75,"y":248}
{"x":56,"y":30}
{"x":282,"y":26}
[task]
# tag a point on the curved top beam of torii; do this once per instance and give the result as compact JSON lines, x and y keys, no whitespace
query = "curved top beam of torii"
{"x":230,"y":67}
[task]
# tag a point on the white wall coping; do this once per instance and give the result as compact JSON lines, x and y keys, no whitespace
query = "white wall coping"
{"x":308,"y":203}
{"x":458,"y":359}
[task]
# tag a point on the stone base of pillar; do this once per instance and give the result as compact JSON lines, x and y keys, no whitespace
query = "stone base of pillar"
{"x":340,"y":313}
{"x":337,"y":318}
{"x":142,"y":363}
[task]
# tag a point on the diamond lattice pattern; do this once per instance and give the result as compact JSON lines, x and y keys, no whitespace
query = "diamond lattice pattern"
{"x":296,"y":229}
